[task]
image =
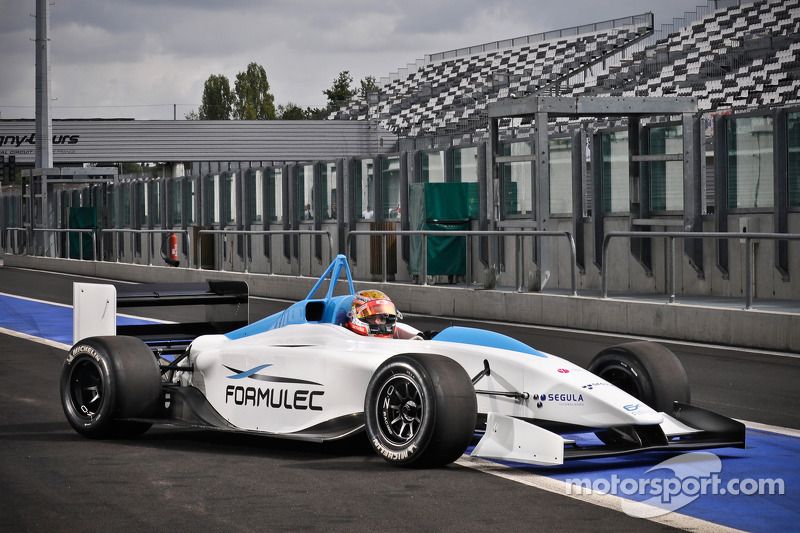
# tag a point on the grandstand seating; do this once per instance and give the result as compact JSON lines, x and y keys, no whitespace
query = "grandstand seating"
{"x":745,"y":56}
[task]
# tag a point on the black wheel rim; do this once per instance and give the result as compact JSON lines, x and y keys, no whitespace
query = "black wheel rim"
{"x":86,"y":389}
{"x":623,"y":378}
{"x":400,"y":409}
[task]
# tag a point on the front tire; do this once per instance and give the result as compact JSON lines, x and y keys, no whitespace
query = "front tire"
{"x":105,"y":380}
{"x":420,"y":410}
{"x":645,"y":370}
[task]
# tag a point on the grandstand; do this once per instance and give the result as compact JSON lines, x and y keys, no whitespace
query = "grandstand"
{"x":710,"y":152}
{"x":730,"y":58}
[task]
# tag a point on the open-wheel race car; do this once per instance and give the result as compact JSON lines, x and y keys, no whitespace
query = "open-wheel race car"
{"x":299,"y":374}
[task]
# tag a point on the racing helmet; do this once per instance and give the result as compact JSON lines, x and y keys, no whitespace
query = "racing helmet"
{"x":368,"y":310}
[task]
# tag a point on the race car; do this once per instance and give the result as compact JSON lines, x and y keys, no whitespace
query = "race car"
{"x":299,"y":374}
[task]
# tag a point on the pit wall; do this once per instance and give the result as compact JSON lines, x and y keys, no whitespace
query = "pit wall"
{"x":757,"y":329}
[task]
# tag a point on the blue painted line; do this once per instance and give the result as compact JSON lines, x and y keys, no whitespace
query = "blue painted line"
{"x":769,"y":456}
{"x":44,"y":320}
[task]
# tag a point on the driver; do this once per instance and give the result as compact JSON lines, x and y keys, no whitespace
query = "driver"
{"x":373,"y":314}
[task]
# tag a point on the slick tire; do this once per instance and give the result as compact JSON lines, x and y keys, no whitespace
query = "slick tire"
{"x":420,"y":410}
{"x":104,"y":381}
{"x":646,"y":371}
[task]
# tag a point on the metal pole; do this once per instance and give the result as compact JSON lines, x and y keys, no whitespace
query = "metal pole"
{"x":199,"y":264}
{"x":749,"y":245}
{"x":671,"y":269}
{"x":424,"y":259}
{"x":604,"y":268}
{"x":383,"y":257}
{"x":469,"y":261}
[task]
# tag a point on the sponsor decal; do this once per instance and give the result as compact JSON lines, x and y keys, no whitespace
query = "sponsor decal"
{"x":15,"y":141}
{"x":591,"y":386}
{"x":253,"y":374}
{"x":75,"y":352}
{"x":394,"y":455}
{"x":563,"y":371}
{"x":631,"y":407}
{"x":567,"y":398}
{"x":274,"y":398}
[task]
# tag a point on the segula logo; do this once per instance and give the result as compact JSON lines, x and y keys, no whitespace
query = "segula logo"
{"x":562,"y":398}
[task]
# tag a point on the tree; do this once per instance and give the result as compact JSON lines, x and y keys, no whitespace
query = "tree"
{"x":291,"y":111}
{"x":253,"y":99}
{"x":368,"y":84}
{"x":340,"y":93}
{"x":217,"y":99}
{"x":315,"y":113}
{"x":192,"y":115}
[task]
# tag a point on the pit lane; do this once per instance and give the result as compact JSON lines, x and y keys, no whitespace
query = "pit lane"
{"x":55,"y":479}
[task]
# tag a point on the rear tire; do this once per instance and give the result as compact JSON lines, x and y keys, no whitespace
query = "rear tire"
{"x":105,"y":380}
{"x":645,"y":370}
{"x":420,"y":410}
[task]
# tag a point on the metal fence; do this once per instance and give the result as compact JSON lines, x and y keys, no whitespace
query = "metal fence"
{"x":518,"y":236}
{"x":519,"y":249}
{"x":247,"y":245}
{"x":672,"y":235}
{"x":149,"y":232}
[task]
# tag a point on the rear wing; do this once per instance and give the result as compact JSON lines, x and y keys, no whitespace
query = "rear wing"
{"x":200,"y":308}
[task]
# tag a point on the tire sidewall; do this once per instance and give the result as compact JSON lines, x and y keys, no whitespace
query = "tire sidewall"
{"x":375,"y":422}
{"x":659,"y":376}
{"x":100,"y":422}
{"x":130,"y":386}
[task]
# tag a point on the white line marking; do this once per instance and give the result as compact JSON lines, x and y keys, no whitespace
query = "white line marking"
{"x":40,"y":340}
{"x":772,"y":429}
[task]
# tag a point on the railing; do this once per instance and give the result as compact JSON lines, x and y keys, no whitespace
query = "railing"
{"x":671,"y":236}
{"x":73,"y":230}
{"x":149,"y":232}
{"x":16,"y":238}
{"x":261,"y":232}
{"x":518,"y":259}
{"x":645,"y":19}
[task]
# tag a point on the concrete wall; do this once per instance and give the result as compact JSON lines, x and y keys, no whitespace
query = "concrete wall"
{"x":717,"y":325}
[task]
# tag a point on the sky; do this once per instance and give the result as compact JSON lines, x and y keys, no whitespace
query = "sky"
{"x":149,"y":59}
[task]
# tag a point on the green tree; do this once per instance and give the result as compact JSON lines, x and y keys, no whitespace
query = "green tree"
{"x":340,"y":93}
{"x":192,"y":115}
{"x":368,"y":84}
{"x":315,"y":113}
{"x":217,"y":99}
{"x":291,"y":111}
{"x":253,"y":99}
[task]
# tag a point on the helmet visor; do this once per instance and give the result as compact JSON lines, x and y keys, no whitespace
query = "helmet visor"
{"x":377,"y":307}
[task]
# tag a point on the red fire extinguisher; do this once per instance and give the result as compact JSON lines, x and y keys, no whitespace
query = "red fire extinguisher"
{"x":171,"y":255}
{"x":173,"y":247}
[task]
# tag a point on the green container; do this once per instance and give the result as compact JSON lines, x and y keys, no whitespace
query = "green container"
{"x":439,"y":207}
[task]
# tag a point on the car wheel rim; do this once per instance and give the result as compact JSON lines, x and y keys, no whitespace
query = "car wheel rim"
{"x":400,"y":409}
{"x":86,"y":389}
{"x":622,"y":378}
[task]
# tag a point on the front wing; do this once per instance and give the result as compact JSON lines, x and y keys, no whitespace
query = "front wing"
{"x":688,"y":428}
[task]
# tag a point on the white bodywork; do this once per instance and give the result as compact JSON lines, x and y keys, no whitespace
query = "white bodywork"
{"x":292,"y":378}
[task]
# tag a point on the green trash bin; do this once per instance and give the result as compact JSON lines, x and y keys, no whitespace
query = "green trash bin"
{"x":82,"y":218}
{"x":439,"y":207}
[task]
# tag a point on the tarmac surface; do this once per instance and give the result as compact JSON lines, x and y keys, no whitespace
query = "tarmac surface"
{"x":178,"y":479}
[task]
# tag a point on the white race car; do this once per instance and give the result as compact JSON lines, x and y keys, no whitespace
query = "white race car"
{"x":299,"y":374}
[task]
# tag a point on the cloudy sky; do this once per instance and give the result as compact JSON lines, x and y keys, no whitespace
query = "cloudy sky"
{"x":138,"y":58}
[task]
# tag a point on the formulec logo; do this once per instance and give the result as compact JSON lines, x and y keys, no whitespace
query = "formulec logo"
{"x":563,"y":371}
